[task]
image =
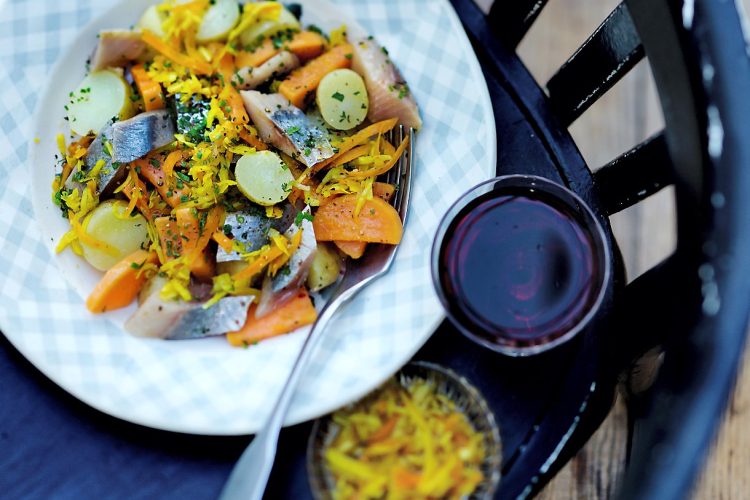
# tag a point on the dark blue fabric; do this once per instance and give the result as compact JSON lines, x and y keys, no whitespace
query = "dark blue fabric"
{"x":54,"y":446}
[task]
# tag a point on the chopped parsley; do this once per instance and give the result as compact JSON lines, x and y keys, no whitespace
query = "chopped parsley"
{"x":302,"y":216}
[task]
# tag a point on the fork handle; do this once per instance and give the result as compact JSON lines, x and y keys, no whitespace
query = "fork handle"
{"x":250,"y":475}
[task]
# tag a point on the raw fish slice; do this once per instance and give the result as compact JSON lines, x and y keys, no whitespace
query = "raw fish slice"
{"x":127,"y":140}
{"x":179,"y":320}
{"x":138,"y":136}
{"x":116,"y":48}
{"x":389,"y":94}
{"x":287,"y":281}
{"x":287,"y":127}
{"x":250,"y":227}
{"x":280,"y":64}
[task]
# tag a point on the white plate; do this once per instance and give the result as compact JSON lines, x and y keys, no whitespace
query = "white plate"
{"x":206,"y":387}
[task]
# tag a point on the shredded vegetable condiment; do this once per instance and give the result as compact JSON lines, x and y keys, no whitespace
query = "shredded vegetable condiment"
{"x":405,"y":442}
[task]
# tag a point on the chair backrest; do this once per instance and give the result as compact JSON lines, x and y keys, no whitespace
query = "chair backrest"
{"x":697,"y":300}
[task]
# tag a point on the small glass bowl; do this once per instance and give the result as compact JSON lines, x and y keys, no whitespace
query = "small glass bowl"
{"x":548,"y":237}
{"x":468,"y":400}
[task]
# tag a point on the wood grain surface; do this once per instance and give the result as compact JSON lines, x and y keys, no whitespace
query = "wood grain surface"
{"x":628,"y":114}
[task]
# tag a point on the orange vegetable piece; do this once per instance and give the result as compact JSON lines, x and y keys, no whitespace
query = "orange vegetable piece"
{"x":378,"y":222}
{"x":120,"y":285}
{"x":383,"y":190}
{"x":356,"y":249}
{"x":302,"y":81}
{"x":295,"y":313}
{"x":202,"y":264}
{"x":153,"y":97}
{"x":169,"y":237}
{"x":253,"y":59}
{"x":136,"y":192}
{"x":157,"y":176}
{"x":306,"y":45}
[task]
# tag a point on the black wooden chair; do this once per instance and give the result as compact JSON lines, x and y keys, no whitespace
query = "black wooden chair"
{"x":695,"y":303}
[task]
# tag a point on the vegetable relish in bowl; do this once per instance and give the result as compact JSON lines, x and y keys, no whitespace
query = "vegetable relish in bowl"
{"x":426,"y":433}
{"x":222,"y":165}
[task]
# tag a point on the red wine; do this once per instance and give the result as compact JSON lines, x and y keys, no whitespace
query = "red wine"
{"x":518,"y":268}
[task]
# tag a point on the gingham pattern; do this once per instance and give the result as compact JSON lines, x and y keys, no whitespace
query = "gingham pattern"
{"x":205,"y":386}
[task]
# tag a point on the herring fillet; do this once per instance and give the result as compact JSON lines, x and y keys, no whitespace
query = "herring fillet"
{"x":278,"y":289}
{"x":179,"y":320}
{"x":116,"y":48}
{"x":287,"y":127}
{"x":389,"y":94}
{"x":129,"y":140}
{"x":138,"y":136}
{"x":282,"y":63}
{"x":250,"y":227}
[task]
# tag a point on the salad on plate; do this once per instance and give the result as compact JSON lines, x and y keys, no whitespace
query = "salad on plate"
{"x":221,"y":166}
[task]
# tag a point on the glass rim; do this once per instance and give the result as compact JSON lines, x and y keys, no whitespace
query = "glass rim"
{"x":599,"y":240}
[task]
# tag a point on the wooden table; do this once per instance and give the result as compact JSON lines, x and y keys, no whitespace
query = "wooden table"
{"x":646,"y":234}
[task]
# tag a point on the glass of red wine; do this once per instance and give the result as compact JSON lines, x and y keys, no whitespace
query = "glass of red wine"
{"x":521,"y":264}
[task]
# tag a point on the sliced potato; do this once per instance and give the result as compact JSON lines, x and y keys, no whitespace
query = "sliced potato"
{"x":152,"y":20}
{"x":264,"y":178}
{"x":219,"y":20}
{"x":342,"y":99}
{"x":286,"y":21}
{"x":101,"y":96}
{"x":108,"y":224}
{"x":325,"y":268}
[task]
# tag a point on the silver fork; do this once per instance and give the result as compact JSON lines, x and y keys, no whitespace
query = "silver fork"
{"x":250,"y":474}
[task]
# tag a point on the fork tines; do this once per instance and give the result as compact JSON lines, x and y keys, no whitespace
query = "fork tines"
{"x":400,"y":174}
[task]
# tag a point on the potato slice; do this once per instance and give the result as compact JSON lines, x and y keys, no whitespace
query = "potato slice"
{"x":325,"y":268}
{"x":342,"y":99}
{"x":286,"y":21}
{"x":264,"y":178}
{"x":101,"y":96}
{"x":219,"y":20}
{"x":152,"y":20}
{"x":124,"y":234}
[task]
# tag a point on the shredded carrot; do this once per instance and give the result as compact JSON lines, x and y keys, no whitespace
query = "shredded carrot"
{"x":197,"y":65}
{"x":360,"y":174}
{"x":223,"y":241}
{"x":357,"y":139}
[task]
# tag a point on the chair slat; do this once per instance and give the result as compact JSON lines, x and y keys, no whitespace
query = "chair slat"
{"x":511,"y":19}
{"x":635,"y":175}
{"x":609,"y":53}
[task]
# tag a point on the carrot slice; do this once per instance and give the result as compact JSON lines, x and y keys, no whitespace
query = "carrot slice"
{"x":378,"y":222}
{"x":307,"y":45}
{"x":356,"y":249}
{"x":120,"y":284}
{"x":302,"y":81}
{"x":156,"y":175}
{"x":153,"y":97}
{"x":295,"y":313}
{"x":169,"y":237}
{"x":191,"y":225}
{"x":253,"y":59}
